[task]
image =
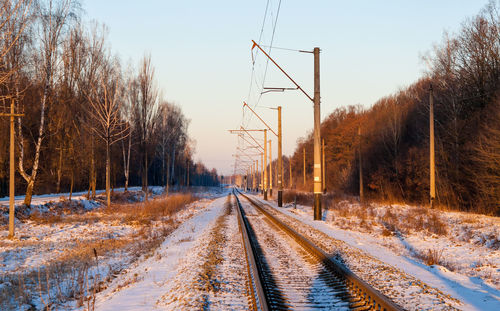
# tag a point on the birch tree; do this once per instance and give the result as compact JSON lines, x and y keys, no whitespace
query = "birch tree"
{"x":52,"y":20}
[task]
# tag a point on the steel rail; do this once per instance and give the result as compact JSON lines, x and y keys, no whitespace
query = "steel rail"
{"x":259,"y":298}
{"x":368,"y":298}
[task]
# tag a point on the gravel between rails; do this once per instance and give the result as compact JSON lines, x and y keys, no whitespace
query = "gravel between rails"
{"x":302,"y":281}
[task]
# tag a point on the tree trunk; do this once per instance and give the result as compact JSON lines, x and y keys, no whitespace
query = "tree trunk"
{"x":71,"y":186}
{"x":29,"y":192}
{"x":92,"y":169}
{"x":146,"y":173}
{"x":108,"y":198}
{"x":126,"y":159}
{"x":59,"y":169}
{"x":168,"y":175}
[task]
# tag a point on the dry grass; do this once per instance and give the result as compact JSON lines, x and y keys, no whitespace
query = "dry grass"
{"x":392,"y":221}
{"x":151,"y":210}
{"x":302,"y":198}
{"x":75,"y":275}
{"x":432,"y":257}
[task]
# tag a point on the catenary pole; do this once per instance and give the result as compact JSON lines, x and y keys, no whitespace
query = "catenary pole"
{"x":317,"y":139}
{"x":265,"y":164}
{"x":304,"y":166}
{"x":323,"y":176}
{"x":270,"y":170}
{"x":317,"y":125}
{"x":280,"y":161}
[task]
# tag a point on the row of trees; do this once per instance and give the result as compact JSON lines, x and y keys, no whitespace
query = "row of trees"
{"x":88,"y":122}
{"x":464,"y":71}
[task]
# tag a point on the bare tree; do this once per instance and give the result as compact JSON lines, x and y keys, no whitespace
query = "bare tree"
{"x":51,"y":22}
{"x":14,"y":18}
{"x":105,"y":110}
{"x":144,"y":112}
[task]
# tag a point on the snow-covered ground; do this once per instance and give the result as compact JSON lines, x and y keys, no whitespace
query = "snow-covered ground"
{"x":65,"y":249}
{"x":193,"y":257}
{"x":457,"y":253}
{"x":198,"y":267}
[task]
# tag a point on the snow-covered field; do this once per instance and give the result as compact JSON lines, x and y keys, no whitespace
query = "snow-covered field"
{"x":78,"y":255}
{"x":64,"y":251}
{"x":457,"y":253}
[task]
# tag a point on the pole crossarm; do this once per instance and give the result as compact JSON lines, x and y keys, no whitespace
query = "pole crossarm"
{"x":284,"y":72}
{"x":242,"y":129}
{"x":245,"y":104}
{"x":11,"y":114}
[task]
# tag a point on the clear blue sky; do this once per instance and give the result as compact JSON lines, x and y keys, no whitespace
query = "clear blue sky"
{"x":201,"y":52}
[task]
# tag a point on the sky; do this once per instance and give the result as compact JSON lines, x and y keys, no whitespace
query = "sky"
{"x":203,"y":62}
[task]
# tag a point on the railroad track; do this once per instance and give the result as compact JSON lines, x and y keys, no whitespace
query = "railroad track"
{"x":287,"y":271}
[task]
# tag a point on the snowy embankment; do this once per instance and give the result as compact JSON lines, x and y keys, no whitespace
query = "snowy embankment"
{"x":199,"y":266}
{"x":457,"y":253}
{"x":66,"y":251}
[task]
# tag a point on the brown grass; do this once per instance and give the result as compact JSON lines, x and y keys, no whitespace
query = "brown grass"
{"x":432,"y":257}
{"x":71,"y":275}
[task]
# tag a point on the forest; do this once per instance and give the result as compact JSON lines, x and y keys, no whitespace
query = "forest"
{"x":88,"y":119}
{"x":464,"y":73}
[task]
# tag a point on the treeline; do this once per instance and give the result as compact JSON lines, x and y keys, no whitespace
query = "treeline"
{"x":86,"y":115}
{"x":465,"y":77}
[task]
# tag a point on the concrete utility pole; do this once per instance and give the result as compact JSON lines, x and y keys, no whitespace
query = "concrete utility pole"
{"x":317,"y":124}
{"x":11,"y":167}
{"x":304,"y":167}
{"x":280,"y":167}
{"x":432,"y":159}
{"x":323,"y":176}
{"x":256,"y":172}
{"x":262,"y":172}
{"x":317,"y":139}
{"x":270,"y":170}
{"x":360,"y":168}
{"x":265,"y":164}
{"x":280,"y":161}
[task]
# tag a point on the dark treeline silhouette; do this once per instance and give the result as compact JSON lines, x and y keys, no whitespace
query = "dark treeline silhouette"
{"x":85,"y":113}
{"x":464,"y":71}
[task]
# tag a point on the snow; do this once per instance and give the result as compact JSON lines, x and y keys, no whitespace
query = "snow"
{"x":475,"y":259}
{"x":467,"y":247}
{"x":164,"y":279}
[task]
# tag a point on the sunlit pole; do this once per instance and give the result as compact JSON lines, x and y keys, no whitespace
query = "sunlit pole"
{"x":11,"y":168}
{"x":280,"y":161}
{"x":304,"y":166}
{"x":317,"y":139}
{"x":317,"y":125}
{"x":270,"y":170}
{"x":323,"y":176}
{"x":265,"y":164}
{"x":262,"y":172}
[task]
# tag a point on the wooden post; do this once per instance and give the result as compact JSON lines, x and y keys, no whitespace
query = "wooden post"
{"x":12,"y":169}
